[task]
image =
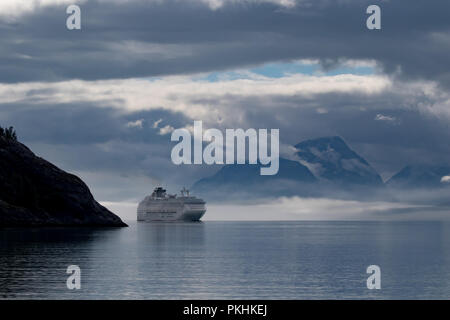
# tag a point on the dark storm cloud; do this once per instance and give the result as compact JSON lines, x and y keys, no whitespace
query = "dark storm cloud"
{"x":90,"y":137}
{"x":85,"y":123}
{"x":138,"y":39}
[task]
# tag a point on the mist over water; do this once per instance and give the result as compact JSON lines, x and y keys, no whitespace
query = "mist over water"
{"x":409,"y":206}
{"x":229,"y":260}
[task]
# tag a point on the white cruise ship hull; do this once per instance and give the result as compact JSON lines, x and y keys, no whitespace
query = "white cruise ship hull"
{"x":171,"y":210}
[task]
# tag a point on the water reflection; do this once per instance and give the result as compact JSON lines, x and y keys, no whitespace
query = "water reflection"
{"x":34,"y":261}
{"x":228,"y":260}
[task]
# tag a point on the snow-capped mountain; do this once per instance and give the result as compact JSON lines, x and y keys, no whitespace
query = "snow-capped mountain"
{"x":320,"y":167}
{"x":331,"y":160}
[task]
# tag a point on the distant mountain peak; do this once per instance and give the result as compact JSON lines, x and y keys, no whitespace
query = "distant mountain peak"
{"x":331,"y":159}
{"x":319,"y":167}
{"x":326,"y":147}
{"x":291,"y":177}
{"x":420,"y":176}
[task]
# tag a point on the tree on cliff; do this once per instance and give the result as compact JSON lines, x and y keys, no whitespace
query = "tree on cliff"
{"x":8,"y":133}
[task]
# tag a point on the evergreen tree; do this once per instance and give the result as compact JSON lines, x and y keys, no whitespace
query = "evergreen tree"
{"x":8,"y":133}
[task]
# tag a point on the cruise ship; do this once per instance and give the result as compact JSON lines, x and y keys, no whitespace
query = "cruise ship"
{"x":160,"y":206}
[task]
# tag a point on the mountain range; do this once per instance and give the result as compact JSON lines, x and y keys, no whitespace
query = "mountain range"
{"x":318,"y":167}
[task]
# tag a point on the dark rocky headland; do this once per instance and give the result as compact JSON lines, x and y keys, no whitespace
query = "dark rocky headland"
{"x":34,"y":192}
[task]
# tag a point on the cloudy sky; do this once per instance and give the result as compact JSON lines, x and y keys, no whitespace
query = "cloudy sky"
{"x":102,"y":101}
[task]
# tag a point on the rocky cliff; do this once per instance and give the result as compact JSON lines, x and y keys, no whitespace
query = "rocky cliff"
{"x":34,"y":192}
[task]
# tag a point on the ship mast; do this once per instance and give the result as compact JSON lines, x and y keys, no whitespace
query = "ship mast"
{"x":183,"y":191}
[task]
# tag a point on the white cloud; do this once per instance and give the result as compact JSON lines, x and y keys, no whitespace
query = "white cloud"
{"x":163,"y":130}
{"x":217,"y":4}
{"x":445,"y":179}
{"x":321,"y":110}
{"x":221,"y":102}
{"x":352,"y":63}
{"x":11,"y":9}
{"x":177,"y":93}
{"x":381,"y":117}
{"x":166,"y":130}
{"x":135,"y":124}
{"x":288,"y":151}
{"x":156,"y":123}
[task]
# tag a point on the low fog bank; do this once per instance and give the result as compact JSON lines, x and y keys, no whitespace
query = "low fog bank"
{"x":380,"y":205}
{"x":433,"y":196}
{"x":314,"y":209}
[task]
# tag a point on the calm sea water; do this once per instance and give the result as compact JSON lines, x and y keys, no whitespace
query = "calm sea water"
{"x":229,"y":260}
